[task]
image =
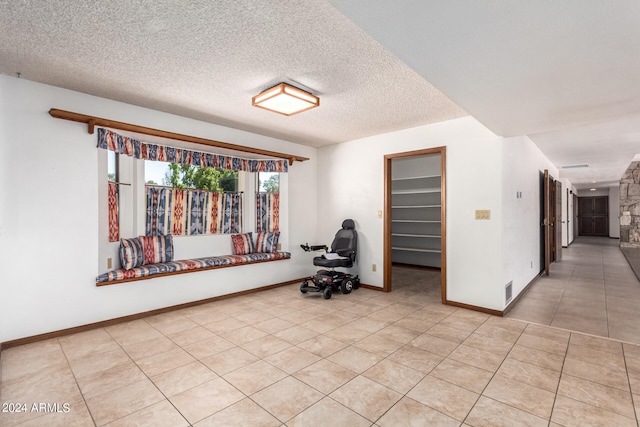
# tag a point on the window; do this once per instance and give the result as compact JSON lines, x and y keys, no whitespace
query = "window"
{"x":188,"y":200}
{"x":112,"y":166}
{"x":268,"y":182}
{"x":153,"y":197}
{"x":189,"y":176}
{"x":113,"y":203}
{"x":268,"y":201}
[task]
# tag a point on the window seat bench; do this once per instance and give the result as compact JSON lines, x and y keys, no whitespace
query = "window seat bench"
{"x":148,"y":271}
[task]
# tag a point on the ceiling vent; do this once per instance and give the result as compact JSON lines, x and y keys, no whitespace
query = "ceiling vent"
{"x":581,"y":165}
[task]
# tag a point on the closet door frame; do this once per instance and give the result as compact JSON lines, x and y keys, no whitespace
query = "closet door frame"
{"x":388,"y":158}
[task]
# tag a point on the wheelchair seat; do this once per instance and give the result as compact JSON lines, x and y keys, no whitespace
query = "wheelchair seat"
{"x":344,"y":245}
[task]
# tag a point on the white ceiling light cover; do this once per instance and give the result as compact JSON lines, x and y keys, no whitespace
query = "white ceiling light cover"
{"x":286,"y":100}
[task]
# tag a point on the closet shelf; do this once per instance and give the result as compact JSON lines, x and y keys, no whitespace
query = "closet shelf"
{"x":423,"y":191}
{"x":412,"y":178}
{"x":434,"y":251}
{"x":415,"y":221}
{"x":429,"y":236}
{"x":416,"y":206}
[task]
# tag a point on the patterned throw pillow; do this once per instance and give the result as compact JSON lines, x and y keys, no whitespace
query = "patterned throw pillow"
{"x":157,"y":248}
{"x":267,"y":241}
{"x":131,"y":253}
{"x":242,"y":244}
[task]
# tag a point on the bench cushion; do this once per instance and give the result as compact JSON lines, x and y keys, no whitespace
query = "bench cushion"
{"x":131,"y":253}
{"x":242,"y":244}
{"x":188,"y":264}
{"x":267,"y":241}
{"x":157,"y":249}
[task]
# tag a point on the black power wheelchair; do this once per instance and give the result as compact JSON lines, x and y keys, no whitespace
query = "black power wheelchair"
{"x":342,"y":254}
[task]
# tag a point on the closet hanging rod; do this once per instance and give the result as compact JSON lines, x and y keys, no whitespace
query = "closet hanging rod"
{"x":93,"y":121}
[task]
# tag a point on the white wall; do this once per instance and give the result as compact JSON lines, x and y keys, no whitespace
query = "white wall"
{"x":523,"y":162}
{"x":614,"y":211}
{"x":351,"y":178}
{"x":49,"y":215}
{"x":598,"y":192}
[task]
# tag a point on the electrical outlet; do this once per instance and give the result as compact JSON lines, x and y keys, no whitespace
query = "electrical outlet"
{"x":279,"y":246}
{"x":373,"y":267}
{"x":379,"y":214}
{"x":109,"y":262}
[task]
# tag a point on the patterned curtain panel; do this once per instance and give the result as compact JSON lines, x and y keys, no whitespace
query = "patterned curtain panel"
{"x":231,"y":218}
{"x":114,"y":223}
{"x":267,"y":212}
{"x":192,"y":212}
{"x":110,"y":140}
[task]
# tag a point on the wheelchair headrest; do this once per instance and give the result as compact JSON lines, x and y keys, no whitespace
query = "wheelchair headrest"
{"x":348,"y":224}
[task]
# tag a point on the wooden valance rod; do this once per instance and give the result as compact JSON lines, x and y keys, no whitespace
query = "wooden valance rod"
{"x":93,"y":121}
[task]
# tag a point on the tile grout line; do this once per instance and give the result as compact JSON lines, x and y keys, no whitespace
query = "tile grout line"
{"x":145,"y":374}
{"x":481,"y":394}
{"x":564,"y":360}
{"x":631,"y":394}
{"x":75,"y":379}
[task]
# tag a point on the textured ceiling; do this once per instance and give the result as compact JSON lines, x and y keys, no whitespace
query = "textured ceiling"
{"x":566,"y":73}
{"x":206,"y":59}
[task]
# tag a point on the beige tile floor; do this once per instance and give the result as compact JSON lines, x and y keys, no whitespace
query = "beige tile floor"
{"x":592,"y":290}
{"x":278,"y":358}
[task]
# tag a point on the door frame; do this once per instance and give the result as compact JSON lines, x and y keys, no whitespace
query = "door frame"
{"x":546,"y":221}
{"x":549,"y":201}
{"x":557,"y":220}
{"x":388,"y":158}
{"x":576,"y":202}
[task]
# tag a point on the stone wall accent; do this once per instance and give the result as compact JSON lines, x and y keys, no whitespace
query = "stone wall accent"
{"x":630,"y":207}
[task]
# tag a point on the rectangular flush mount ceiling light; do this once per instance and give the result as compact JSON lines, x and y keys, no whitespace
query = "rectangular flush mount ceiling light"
{"x":285,"y":99}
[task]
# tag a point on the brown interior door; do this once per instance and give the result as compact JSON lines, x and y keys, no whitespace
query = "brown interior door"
{"x":558,"y":221}
{"x":546,"y":222}
{"x":576,"y":227}
{"x":552,"y":222}
{"x":593,"y":216}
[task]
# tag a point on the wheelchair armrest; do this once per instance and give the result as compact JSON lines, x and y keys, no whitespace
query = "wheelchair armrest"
{"x":349,"y":253}
{"x":308,"y":248}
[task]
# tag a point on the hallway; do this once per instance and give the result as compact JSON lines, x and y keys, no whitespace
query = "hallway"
{"x":591,"y":290}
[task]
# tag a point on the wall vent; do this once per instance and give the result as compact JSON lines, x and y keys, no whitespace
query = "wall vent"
{"x":508,"y":292}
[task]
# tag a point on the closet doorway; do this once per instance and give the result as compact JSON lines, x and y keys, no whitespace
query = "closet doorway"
{"x":415,"y":215}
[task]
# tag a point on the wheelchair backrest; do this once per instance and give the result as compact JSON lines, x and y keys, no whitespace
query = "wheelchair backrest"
{"x":346,"y":240}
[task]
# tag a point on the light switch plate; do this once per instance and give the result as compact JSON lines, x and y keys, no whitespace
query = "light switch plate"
{"x":483,"y":214}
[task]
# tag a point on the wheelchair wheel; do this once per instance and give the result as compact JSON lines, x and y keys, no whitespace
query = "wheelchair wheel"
{"x":356,"y":283}
{"x":327,"y":292}
{"x":346,"y":286}
{"x":305,"y":283}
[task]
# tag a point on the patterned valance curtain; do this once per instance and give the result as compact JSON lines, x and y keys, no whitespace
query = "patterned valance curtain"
{"x":267,"y":212}
{"x":114,"y":223}
{"x":191,"y":212}
{"x":110,"y":140}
